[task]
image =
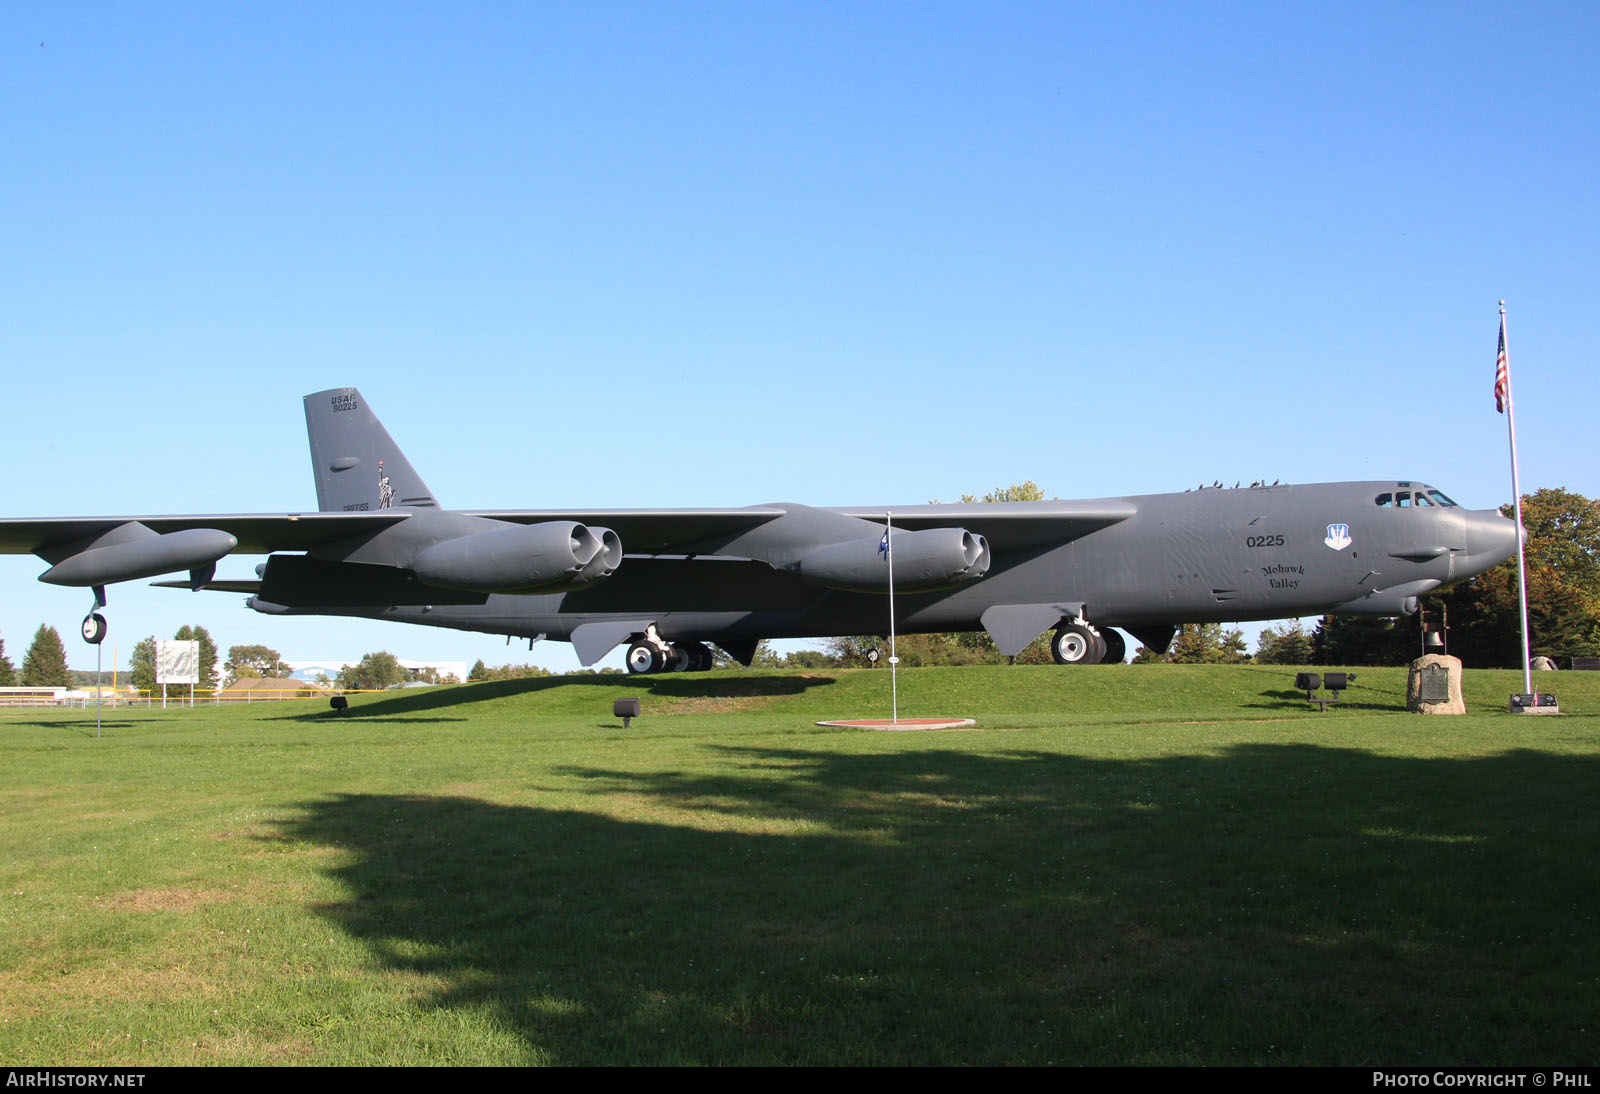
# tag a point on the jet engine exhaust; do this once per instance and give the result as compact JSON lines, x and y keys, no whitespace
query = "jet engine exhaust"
{"x":521,"y":558}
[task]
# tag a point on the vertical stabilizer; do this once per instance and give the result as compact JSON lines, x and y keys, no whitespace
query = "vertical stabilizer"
{"x":357,"y":465}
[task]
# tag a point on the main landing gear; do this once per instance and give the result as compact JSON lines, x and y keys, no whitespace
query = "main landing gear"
{"x":652,"y":654}
{"x":1081,"y":644}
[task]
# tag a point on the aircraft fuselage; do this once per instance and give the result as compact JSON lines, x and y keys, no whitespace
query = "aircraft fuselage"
{"x":1214,"y":555}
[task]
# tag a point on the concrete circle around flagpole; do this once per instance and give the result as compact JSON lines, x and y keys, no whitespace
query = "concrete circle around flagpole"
{"x":902,"y":724}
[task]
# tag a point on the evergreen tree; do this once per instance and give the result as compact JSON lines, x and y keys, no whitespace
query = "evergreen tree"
{"x":45,"y":665}
{"x":1286,"y":645}
{"x":1207,"y":644}
{"x":1363,"y":640}
{"x":8,"y":671}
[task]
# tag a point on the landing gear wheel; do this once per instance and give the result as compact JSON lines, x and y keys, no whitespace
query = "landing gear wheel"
{"x":678,"y":660}
{"x":1075,"y":644}
{"x":700,"y":656}
{"x":1116,"y":648}
{"x":94,"y":628}
{"x":644,"y":658}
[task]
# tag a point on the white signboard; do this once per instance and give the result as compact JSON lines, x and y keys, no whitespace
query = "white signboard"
{"x":177,"y":662}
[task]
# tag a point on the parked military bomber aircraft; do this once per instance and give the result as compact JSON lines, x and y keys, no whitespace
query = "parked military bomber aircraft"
{"x":670,"y":581}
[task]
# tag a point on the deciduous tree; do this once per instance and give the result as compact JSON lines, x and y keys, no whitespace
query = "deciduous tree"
{"x":1563,"y":568}
{"x":481,"y":672}
{"x":208,"y":655}
{"x":142,"y":664}
{"x":376,"y":670}
{"x":1021,"y":491}
{"x":254,"y":661}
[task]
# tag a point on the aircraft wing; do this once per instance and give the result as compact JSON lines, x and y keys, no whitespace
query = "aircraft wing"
{"x":1009,"y":525}
{"x":256,"y":533}
{"x":97,"y":551}
{"x":454,"y":549}
{"x":643,"y":530}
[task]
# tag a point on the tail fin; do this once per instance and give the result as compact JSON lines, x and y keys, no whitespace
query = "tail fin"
{"x":357,"y":465}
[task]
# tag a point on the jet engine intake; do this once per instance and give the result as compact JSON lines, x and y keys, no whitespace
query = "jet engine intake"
{"x":929,"y":559}
{"x":521,"y":558}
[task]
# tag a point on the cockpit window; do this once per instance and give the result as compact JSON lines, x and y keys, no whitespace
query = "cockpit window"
{"x":1405,"y":499}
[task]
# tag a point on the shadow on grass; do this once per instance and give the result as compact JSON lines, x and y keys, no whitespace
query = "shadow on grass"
{"x":1296,"y":700}
{"x":71,"y":725}
{"x":1285,"y":696}
{"x":711,"y":685}
{"x":1271,"y":904}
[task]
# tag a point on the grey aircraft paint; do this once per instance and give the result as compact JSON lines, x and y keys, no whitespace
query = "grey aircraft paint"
{"x":669,"y":581}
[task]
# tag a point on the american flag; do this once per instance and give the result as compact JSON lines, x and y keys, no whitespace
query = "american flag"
{"x":1502,"y":376}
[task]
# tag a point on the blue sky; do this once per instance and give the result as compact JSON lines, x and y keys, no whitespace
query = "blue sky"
{"x":720,"y":254}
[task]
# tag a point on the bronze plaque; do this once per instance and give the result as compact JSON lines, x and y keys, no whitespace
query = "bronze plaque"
{"x":1435,"y":684}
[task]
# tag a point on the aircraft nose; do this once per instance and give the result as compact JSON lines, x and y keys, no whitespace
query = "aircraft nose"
{"x":1491,"y":539}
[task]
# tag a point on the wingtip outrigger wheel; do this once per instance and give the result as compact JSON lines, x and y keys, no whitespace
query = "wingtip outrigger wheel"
{"x":94,"y":624}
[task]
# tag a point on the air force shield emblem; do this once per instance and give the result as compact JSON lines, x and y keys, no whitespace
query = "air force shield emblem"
{"x":1338,"y":536}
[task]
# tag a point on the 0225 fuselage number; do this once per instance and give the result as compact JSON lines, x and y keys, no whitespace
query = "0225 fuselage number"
{"x":1264,"y":541}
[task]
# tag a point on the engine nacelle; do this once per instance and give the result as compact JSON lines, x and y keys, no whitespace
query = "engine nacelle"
{"x":521,"y":558}
{"x":132,"y":551}
{"x":930,"y":559}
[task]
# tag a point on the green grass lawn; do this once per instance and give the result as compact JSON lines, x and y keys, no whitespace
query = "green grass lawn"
{"x":1118,"y":864}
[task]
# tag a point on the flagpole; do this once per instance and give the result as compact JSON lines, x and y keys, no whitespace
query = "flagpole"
{"x":894,"y":660}
{"x":1503,"y":379}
